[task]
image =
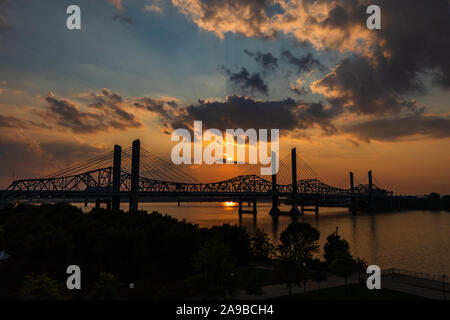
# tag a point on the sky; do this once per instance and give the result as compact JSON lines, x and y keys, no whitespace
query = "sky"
{"x":348,"y":98}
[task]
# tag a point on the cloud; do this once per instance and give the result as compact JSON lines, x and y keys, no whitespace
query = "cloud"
{"x":154,"y":7}
{"x":245,"y":113}
{"x":392,"y":129}
{"x":27,"y":158}
{"x":364,"y":88}
{"x":299,"y":87}
{"x":109,"y":113}
{"x":247,"y":17}
{"x":326,"y":24}
{"x":165,"y":108}
{"x":265,"y":60}
{"x":14,"y":122}
{"x":123,"y":19}
{"x":305,"y":63}
{"x":119,"y":4}
{"x":385,"y":66}
{"x":244,"y":82}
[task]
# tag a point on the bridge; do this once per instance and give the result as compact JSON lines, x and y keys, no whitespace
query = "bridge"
{"x":136,"y":175}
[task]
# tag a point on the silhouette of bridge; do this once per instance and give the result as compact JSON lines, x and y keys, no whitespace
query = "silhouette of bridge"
{"x":137,"y":175}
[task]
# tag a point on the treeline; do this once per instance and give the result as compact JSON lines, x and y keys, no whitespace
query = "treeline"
{"x":151,"y":256}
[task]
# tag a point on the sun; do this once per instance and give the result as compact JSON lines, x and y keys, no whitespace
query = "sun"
{"x":229,"y":204}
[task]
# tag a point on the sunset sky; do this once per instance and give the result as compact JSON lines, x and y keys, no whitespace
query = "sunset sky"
{"x":347,"y":97}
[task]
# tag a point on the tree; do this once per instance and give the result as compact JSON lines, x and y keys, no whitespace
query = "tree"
{"x":262,"y":247}
{"x":343,"y":265}
{"x":334,"y":244}
{"x":213,"y":267}
{"x":318,"y":276}
{"x":291,"y":272}
{"x":238,"y":240}
{"x":299,"y":241}
{"x":40,"y":287}
{"x":360,"y":267}
{"x":106,"y":287}
{"x":318,"y":273}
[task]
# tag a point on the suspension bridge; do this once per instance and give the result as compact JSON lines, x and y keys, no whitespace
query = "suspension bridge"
{"x":136,"y":175}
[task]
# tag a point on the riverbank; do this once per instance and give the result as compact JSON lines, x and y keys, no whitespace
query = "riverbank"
{"x":394,"y":286}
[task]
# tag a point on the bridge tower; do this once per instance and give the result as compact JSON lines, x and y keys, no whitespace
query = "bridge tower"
{"x":352,"y":191}
{"x":274,"y":211}
{"x":294,"y":210}
{"x":135,"y":158}
{"x":116,"y":178}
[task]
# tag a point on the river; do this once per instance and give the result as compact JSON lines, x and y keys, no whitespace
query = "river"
{"x":412,"y":240}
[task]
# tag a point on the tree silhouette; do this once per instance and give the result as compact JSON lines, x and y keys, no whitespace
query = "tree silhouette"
{"x":213,"y":267}
{"x":262,"y":247}
{"x":299,"y":241}
{"x":334,"y":244}
{"x":40,"y":287}
{"x":343,"y":265}
{"x":360,"y":266}
{"x":291,"y":272}
{"x":107,"y":287}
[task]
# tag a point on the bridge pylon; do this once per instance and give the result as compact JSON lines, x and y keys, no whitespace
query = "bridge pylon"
{"x":135,"y":159}
{"x":294,"y":210}
{"x":274,"y":211}
{"x":116,"y":178}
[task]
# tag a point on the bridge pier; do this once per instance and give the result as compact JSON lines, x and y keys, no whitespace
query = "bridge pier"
{"x":116,"y":178}
{"x":294,"y":210}
{"x":253,"y":211}
{"x":134,"y":193}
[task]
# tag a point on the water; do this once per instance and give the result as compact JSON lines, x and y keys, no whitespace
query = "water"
{"x":413,"y":240}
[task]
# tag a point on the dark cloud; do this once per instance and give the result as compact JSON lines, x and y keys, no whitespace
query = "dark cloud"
{"x":408,"y":48}
{"x":162,"y":107}
{"x":367,"y":89}
{"x":124,"y":19}
{"x":109,"y":114}
{"x":382,"y":69}
{"x":245,"y":112}
{"x":26,"y":158}
{"x":244,"y":82}
{"x":305,"y":63}
{"x":391,"y":129}
{"x":265,"y":60}
{"x":13,"y":122}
